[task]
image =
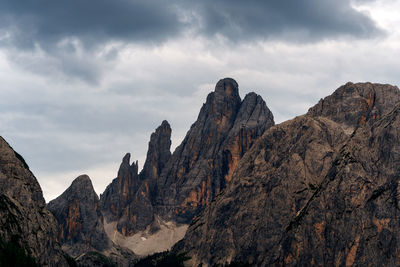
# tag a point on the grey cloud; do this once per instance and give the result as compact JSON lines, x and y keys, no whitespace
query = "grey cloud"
{"x":70,"y":35}
{"x":305,"y":20}
{"x":46,"y":22}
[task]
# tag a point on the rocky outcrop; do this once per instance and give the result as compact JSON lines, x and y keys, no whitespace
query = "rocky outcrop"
{"x":80,"y":220}
{"x":119,"y":194}
{"x":128,"y":199}
{"x":158,"y":153}
{"x":320,"y":189}
{"x":353,"y":105}
{"x":175,"y":188}
{"x":81,"y":230}
{"x":24,"y":218}
{"x":203,"y":164}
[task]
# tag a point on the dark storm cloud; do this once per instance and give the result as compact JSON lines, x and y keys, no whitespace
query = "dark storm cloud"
{"x":48,"y":21}
{"x":305,"y":20}
{"x":73,"y":33}
{"x":95,"y":21}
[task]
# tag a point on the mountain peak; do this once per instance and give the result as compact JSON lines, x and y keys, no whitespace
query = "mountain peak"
{"x":127,"y":158}
{"x":80,"y":221}
{"x":355,"y":104}
{"x":201,"y":166}
{"x":82,"y":181}
{"x":227,"y":86}
{"x":165,"y":124}
{"x":158,"y":152}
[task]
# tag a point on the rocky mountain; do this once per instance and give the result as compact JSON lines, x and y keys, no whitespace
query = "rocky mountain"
{"x":24,"y":218}
{"x":175,"y":188}
{"x":128,"y":199}
{"x":204,"y":162}
{"x":321,"y":189}
{"x":81,"y":226}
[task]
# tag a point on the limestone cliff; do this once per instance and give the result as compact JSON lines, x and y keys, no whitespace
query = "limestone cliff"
{"x":80,"y":220}
{"x":204,"y":162}
{"x":177,"y":187}
{"x":80,"y":226}
{"x":128,"y":199}
{"x":321,"y":189}
{"x":24,"y":218}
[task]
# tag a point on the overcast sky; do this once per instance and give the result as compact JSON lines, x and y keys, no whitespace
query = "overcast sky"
{"x":84,"y":82}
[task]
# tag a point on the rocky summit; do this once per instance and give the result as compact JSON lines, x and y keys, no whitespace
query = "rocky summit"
{"x":203,"y":163}
{"x":128,"y":199}
{"x":177,"y":187}
{"x":321,"y":189}
{"x":80,"y":225}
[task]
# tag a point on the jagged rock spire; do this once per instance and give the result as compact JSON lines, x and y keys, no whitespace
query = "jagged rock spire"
{"x":201,"y":166}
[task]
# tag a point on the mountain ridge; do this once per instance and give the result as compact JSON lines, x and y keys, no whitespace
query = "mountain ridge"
{"x":321,"y":188}
{"x":286,"y":172}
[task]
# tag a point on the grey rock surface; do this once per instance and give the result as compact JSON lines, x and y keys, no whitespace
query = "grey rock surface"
{"x":128,"y":199}
{"x":80,"y":220}
{"x":204,"y":162}
{"x":177,"y":187}
{"x":311,"y":191}
{"x":354,"y":104}
{"x":24,"y":218}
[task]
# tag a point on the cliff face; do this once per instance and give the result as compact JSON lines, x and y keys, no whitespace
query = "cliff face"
{"x":24,"y":218}
{"x":203,"y":164}
{"x":354,"y":105}
{"x":80,"y":220}
{"x":81,"y":229}
{"x":177,"y":187}
{"x":318,"y":189}
{"x":119,"y":194}
{"x":127,"y":200}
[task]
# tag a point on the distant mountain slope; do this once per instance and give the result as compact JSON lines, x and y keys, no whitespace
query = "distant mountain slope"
{"x":81,"y":228}
{"x":24,"y":218}
{"x":321,"y":189}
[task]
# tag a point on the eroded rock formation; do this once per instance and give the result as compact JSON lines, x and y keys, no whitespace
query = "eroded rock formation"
{"x":204,"y":162}
{"x":24,"y":218}
{"x":177,"y":187}
{"x":81,"y":230}
{"x":80,"y":220}
{"x":321,"y":189}
{"x":127,"y":200}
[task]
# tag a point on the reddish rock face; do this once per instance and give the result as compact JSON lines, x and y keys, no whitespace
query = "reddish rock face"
{"x":204,"y":163}
{"x":24,"y":218}
{"x":355,"y":104}
{"x":177,"y":187}
{"x":321,"y":189}
{"x":80,"y":221}
{"x":128,"y":199}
